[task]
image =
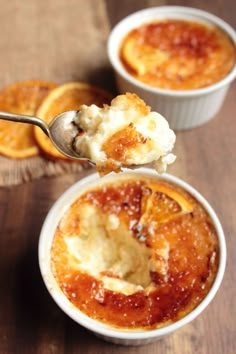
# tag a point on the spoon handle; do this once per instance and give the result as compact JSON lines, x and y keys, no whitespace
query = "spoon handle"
{"x":21,"y":118}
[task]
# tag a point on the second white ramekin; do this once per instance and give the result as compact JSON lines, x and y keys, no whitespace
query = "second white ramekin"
{"x":182,"y":109}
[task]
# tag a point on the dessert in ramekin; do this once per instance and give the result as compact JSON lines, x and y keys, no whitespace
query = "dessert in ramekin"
{"x":132,"y":256}
{"x":180,"y":60}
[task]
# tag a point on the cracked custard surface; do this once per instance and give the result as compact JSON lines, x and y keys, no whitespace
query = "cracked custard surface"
{"x":135,"y":253}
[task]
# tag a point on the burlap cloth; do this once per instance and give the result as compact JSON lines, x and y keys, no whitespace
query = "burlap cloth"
{"x":58,"y":41}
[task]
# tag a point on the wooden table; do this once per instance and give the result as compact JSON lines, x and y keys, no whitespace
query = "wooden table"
{"x":30,"y":321}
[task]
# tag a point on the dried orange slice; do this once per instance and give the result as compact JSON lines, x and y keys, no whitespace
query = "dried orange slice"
{"x":141,"y":58}
{"x":161,"y":204}
{"x":69,"y":96}
{"x":17,"y":139}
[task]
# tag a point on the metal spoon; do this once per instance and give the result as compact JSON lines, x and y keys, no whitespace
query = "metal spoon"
{"x":61,"y":130}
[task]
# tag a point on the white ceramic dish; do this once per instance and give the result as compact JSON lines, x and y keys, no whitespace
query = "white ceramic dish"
{"x":124,"y":337}
{"x":183,"y":109}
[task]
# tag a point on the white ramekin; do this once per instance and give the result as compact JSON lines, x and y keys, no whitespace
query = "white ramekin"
{"x":182,"y":109}
{"x":110,"y":334}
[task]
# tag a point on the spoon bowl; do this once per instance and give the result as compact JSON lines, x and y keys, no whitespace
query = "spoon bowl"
{"x":61,"y":130}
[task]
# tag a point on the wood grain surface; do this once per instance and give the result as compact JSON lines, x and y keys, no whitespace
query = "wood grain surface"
{"x":39,"y":40}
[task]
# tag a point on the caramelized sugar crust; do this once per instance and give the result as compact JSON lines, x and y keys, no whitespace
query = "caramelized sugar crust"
{"x":120,"y":146}
{"x":178,"y":55}
{"x":120,"y":143}
{"x":176,"y":235}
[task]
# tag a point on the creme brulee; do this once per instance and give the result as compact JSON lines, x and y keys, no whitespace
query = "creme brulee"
{"x":125,"y":133}
{"x":178,"y":54}
{"x":135,"y":253}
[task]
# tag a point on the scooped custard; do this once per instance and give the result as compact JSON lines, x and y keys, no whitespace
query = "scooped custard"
{"x":135,"y":252}
{"x":178,"y":54}
{"x":125,"y":133}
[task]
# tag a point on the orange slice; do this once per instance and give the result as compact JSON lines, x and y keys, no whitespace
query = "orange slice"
{"x":17,"y":139}
{"x":69,"y":96}
{"x":161,"y":204}
{"x":142,"y":58}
